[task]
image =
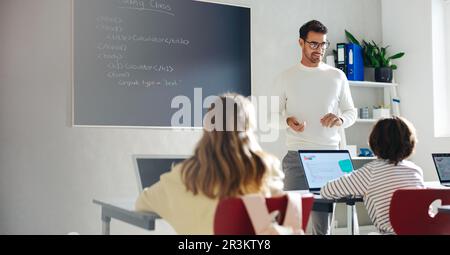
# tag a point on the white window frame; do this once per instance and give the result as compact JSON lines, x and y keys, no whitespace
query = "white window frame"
{"x":441,"y":67}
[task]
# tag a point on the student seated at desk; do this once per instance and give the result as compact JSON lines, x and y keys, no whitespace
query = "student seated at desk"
{"x":392,"y":140}
{"x":227,"y":162}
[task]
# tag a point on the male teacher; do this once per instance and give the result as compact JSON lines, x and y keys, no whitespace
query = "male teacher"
{"x":315,"y":102}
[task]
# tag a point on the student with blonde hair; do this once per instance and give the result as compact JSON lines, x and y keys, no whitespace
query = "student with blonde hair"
{"x":392,"y":141}
{"x":227,"y":162}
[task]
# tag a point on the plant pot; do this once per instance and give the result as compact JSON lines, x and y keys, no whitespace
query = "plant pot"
{"x":383,"y":74}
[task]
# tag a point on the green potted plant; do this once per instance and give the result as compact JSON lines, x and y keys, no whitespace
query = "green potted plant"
{"x":376,"y":57}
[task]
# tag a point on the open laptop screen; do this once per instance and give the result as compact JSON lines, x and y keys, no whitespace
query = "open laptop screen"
{"x":150,"y":168}
{"x":323,"y":166}
{"x":442,"y":163}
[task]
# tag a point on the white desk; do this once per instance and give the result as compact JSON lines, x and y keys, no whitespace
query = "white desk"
{"x":123,"y":210}
{"x":326,"y":205}
{"x":352,"y":217}
{"x":435,"y":185}
{"x":444,"y":209}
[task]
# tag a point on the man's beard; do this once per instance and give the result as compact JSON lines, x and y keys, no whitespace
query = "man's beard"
{"x":315,"y":58}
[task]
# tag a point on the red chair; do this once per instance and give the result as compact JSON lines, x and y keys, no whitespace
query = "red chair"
{"x":231,"y":217}
{"x":409,"y":212}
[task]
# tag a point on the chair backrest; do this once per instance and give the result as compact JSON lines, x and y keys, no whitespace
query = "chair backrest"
{"x":231,"y":217}
{"x":409,"y":212}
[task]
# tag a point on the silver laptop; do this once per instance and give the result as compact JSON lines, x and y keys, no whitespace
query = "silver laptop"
{"x":149,"y":168}
{"x":322,"y":166}
{"x":442,"y":164}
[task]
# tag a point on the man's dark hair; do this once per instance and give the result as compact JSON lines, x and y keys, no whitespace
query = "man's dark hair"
{"x":393,"y":139}
{"x":313,"y":25}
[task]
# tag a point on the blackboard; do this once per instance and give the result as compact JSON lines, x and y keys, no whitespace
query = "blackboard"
{"x":133,"y":57}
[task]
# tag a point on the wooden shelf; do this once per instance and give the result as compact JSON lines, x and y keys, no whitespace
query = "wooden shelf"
{"x":371,"y":84}
{"x":364,"y":158}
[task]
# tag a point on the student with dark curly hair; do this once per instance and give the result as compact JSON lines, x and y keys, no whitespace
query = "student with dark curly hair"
{"x":392,"y":141}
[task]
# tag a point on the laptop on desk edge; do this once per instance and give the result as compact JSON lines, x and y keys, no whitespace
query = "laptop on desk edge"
{"x":148,"y":168}
{"x":335,"y":156}
{"x":444,"y":179}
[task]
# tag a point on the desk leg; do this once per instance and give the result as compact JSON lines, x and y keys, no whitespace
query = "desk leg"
{"x":105,"y":225}
{"x":355,"y":222}
{"x":352,"y":220}
{"x":333,"y":220}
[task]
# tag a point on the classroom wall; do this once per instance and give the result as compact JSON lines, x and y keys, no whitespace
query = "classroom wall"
{"x":407,"y":26}
{"x":50,"y":172}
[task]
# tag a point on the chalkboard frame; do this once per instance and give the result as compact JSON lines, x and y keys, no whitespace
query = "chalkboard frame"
{"x":180,"y":128}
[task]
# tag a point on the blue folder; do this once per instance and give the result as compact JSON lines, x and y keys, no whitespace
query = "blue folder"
{"x":355,"y":62}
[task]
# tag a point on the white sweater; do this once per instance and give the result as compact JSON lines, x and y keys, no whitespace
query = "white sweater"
{"x":309,"y":94}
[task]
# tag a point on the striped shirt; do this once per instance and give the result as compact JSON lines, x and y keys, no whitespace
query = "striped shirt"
{"x":376,"y":182}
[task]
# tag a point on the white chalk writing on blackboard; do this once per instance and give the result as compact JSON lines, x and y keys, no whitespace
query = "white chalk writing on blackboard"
{"x":149,"y":5}
{"x":106,"y":19}
{"x":127,"y":66}
{"x":115,"y":75}
{"x":128,"y":84}
{"x":115,"y":28}
{"x":147,"y":38}
{"x":107,"y":46}
{"x":110,"y":56}
{"x":149,"y":83}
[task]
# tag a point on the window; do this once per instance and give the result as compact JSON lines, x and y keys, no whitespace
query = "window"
{"x":441,"y":66}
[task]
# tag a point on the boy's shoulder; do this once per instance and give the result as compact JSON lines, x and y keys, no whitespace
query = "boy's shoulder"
{"x":382,"y":163}
{"x":411,"y":164}
{"x":376,"y":163}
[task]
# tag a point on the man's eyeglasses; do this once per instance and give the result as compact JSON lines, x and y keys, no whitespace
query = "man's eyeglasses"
{"x":315,"y":45}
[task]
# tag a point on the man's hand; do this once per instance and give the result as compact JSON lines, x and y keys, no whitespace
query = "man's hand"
{"x":330,"y":120}
{"x":296,"y":125}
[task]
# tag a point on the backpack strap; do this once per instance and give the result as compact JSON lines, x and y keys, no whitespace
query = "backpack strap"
{"x":258,"y":212}
{"x":256,"y":207}
{"x":293,"y":216}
